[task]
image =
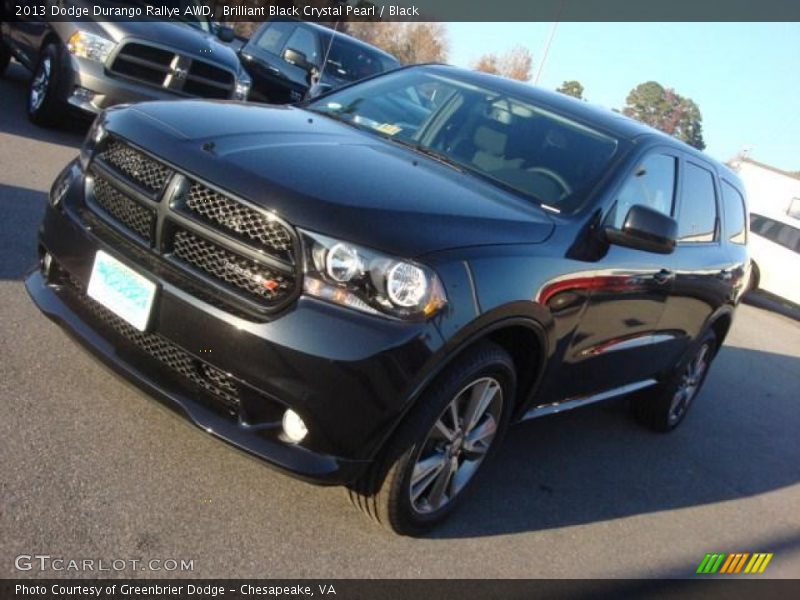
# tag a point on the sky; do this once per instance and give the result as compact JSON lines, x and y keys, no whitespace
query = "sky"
{"x":745,"y":77}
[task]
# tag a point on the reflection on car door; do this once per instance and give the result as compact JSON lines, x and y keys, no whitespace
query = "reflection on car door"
{"x":617,"y":341}
{"x":705,"y":272}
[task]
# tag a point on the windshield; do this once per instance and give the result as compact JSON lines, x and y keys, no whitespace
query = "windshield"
{"x":509,"y":141}
{"x":352,"y":62}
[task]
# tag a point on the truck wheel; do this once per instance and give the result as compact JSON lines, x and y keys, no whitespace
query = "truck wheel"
{"x":431,"y":462}
{"x":664,"y":407}
{"x":44,"y":107}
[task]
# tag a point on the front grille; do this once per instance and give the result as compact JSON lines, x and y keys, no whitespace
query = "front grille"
{"x":239,"y":220}
{"x":219,"y":384}
{"x":140,"y":168}
{"x":235,"y":270}
{"x":181,"y":225}
{"x":173,"y":71}
{"x":128,"y":212}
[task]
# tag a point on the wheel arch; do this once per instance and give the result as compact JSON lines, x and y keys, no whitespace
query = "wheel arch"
{"x":525,"y":336}
{"x":720,"y":324}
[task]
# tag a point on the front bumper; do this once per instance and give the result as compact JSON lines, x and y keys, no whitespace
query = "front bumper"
{"x":348,"y":375}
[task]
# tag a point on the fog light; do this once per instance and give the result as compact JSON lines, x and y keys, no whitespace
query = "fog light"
{"x":293,"y":426}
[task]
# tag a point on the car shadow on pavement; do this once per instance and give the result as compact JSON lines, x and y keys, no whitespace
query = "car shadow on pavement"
{"x":21,"y":211}
{"x":14,"y":117}
{"x":597,"y":464}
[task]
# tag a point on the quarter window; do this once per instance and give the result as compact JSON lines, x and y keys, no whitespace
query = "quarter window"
{"x":734,"y":214}
{"x":652,"y":184}
{"x":698,"y":212}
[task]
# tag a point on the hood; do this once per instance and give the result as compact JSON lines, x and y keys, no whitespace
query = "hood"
{"x":328,"y":177}
{"x":181,"y":37}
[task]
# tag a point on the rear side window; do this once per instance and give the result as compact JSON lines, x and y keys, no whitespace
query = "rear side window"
{"x":789,"y":237}
{"x":734,"y":214}
{"x":775,"y":231}
{"x":698,"y":214}
{"x":651,"y":184}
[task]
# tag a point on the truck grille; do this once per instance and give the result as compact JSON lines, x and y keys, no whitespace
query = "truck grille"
{"x":175,"y":72}
{"x":246,"y":257}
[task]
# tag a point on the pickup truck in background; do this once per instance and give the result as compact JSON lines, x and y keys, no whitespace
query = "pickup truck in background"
{"x":285,"y":60}
{"x":90,"y":66}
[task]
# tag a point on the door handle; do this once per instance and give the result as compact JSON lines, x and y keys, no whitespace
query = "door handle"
{"x":664,"y":276}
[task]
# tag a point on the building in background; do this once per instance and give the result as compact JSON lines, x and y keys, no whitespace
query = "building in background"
{"x":770,"y":191}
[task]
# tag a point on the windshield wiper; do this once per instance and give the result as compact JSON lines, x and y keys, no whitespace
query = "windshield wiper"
{"x":427,"y":151}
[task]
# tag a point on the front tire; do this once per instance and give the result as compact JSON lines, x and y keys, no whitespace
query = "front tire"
{"x":664,"y":407}
{"x":44,"y":106}
{"x":434,"y":458}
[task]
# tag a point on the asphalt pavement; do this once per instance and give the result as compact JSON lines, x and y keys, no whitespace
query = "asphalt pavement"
{"x":90,"y":467}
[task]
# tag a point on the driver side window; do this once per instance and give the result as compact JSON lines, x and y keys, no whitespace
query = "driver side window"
{"x":651,"y":184}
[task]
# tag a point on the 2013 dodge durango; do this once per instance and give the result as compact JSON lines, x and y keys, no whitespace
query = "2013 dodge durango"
{"x":368,"y":288}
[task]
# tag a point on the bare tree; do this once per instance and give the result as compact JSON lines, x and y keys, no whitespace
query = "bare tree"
{"x":410,"y":42}
{"x":488,"y":63}
{"x":517,"y":63}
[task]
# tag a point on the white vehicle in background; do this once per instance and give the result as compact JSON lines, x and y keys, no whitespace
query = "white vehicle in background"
{"x":775,"y":254}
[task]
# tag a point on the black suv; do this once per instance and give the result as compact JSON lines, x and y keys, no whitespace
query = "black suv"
{"x":86,"y":66}
{"x":369,"y":288}
{"x":285,"y":60}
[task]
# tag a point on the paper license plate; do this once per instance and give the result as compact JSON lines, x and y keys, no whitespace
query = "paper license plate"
{"x":122,"y":290}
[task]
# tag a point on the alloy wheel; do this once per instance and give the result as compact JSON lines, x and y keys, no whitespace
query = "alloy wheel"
{"x":40,"y":83}
{"x":456,"y":445}
{"x":690,"y":381}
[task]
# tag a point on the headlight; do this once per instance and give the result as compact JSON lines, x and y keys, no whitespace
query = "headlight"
{"x":242,"y":90}
{"x":97,"y":133}
{"x":369,"y":281}
{"x":89,"y":45}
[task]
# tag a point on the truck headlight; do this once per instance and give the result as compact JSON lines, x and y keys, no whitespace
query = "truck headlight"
{"x":89,"y":45}
{"x":242,"y":89}
{"x":369,"y":281}
{"x":97,"y":133}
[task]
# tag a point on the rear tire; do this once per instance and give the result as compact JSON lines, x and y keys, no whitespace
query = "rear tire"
{"x":436,"y":455}
{"x":44,"y":106}
{"x":664,"y":407}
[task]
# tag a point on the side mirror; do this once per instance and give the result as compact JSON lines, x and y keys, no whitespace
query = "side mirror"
{"x":225,"y":34}
{"x":297,"y":58}
{"x":645,"y":229}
